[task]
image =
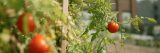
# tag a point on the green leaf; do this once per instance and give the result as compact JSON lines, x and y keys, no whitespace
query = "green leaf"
{"x":94,"y":36}
{"x":15,"y":4}
{"x":51,"y":9}
{"x":136,"y":21}
{"x":125,"y":35}
{"x":152,"y":20}
{"x":86,"y":31}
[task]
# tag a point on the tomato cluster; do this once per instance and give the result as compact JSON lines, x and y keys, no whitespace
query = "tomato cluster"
{"x":25,"y":24}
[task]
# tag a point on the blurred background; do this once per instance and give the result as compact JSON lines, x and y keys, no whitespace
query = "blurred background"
{"x":147,"y":40}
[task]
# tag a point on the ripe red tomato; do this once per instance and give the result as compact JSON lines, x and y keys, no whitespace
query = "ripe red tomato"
{"x":113,"y":27}
{"x":26,"y":19}
{"x":38,"y":45}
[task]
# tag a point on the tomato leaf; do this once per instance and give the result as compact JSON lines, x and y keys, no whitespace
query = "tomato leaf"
{"x":94,"y":36}
{"x":152,"y":20}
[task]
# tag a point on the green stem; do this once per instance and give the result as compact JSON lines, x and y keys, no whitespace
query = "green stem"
{"x":115,"y":47}
{"x":99,"y":46}
{"x":122,"y":40}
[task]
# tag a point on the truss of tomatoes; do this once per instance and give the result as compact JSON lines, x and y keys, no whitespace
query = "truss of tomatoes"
{"x":37,"y":44}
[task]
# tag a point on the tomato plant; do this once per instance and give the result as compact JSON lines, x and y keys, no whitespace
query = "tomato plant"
{"x":26,"y":23}
{"x":113,"y":27}
{"x":82,"y":24}
{"x":38,"y":45}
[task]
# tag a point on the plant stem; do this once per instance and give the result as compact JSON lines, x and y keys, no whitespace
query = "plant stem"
{"x":122,"y":40}
{"x":115,"y":47}
{"x":99,"y":46}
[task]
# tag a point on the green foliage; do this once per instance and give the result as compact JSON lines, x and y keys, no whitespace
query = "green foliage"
{"x":45,"y":13}
{"x":151,"y":20}
{"x":4,"y":40}
{"x":49,"y":9}
{"x":75,"y":7}
{"x":137,"y":21}
{"x":100,"y":10}
{"x":56,"y":26}
{"x":101,"y":14}
{"x":15,"y":4}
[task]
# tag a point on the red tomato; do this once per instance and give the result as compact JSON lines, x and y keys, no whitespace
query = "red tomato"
{"x":113,"y":27}
{"x":38,"y":45}
{"x":26,"y":19}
